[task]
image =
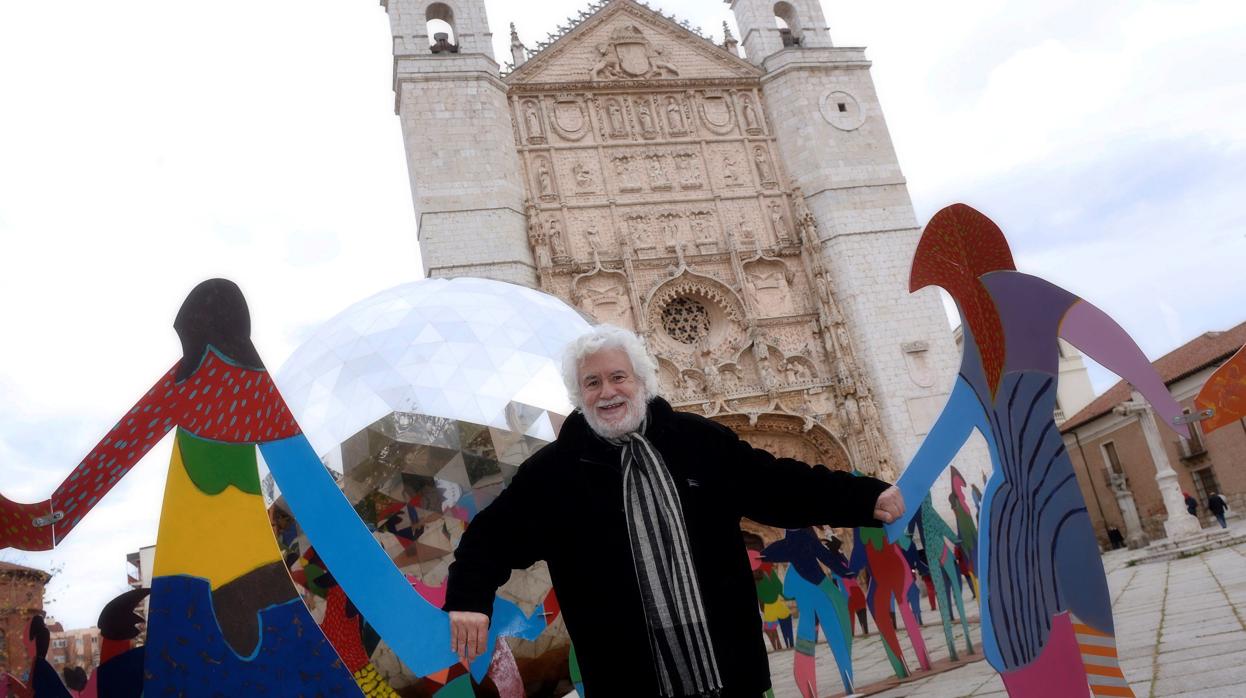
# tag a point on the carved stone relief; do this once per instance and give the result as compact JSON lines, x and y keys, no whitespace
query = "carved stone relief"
{"x":676,"y":116}
{"x":570,"y":117}
{"x":544,"y":174}
{"x":615,"y":118}
{"x":603,"y":294}
{"x":730,"y":165}
{"x":765,"y":171}
{"x":533,"y":122}
{"x":536,"y":237}
{"x":557,"y":243}
{"x":688,"y":166}
{"x":656,"y":169}
{"x":629,"y":56}
{"x":798,"y":369}
{"x":645,"y":118}
{"x":778,"y":222}
{"x":591,"y":234}
{"x":769,"y":283}
{"x":749,"y":115}
{"x":583,"y":174}
{"x":704,"y":232}
{"x":627,"y":173}
{"x":806,"y":225}
{"x":743,"y":226}
{"x":716,"y":113}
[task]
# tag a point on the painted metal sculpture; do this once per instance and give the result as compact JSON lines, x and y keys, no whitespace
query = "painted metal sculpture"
{"x":222,"y":598}
{"x":1046,"y":613}
{"x":966,"y":530}
{"x":1224,"y":393}
{"x":891,"y":580}
{"x":820,"y":601}
{"x":939,"y":543}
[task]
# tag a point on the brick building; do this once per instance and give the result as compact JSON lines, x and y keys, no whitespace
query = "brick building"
{"x":21,"y":595}
{"x":1114,"y":464}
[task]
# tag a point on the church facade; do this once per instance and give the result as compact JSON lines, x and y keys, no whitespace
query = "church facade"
{"x":747,"y":216}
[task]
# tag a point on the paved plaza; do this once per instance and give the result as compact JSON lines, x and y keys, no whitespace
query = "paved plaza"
{"x":1181,"y":631}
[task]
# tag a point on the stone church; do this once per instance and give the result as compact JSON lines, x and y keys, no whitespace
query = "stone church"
{"x":744,"y":211}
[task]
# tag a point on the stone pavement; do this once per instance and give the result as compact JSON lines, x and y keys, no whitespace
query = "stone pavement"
{"x":1181,"y":631}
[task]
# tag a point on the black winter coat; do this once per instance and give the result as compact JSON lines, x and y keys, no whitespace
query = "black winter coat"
{"x":565,"y":506}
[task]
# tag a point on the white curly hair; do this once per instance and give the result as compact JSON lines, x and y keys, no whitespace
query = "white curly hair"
{"x":601,"y":337}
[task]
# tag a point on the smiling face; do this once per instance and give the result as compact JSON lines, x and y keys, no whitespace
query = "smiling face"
{"x":613,"y":399}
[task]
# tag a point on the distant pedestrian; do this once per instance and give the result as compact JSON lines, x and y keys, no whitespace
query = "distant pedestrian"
{"x":1218,"y":506}
{"x":1191,"y":504}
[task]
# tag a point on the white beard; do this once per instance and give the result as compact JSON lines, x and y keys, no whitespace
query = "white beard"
{"x":633,"y":414}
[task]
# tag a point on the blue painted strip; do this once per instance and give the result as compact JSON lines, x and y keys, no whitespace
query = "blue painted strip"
{"x":418,"y":632}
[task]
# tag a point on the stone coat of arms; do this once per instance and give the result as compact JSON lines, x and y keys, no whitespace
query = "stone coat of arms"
{"x":630,"y":55}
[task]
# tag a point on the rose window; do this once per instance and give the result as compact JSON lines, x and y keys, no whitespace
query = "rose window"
{"x":686,"y":320}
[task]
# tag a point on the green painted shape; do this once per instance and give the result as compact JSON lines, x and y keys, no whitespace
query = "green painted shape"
{"x":874,"y":537}
{"x":214,"y":465}
{"x":574,"y":663}
{"x":839,"y":603}
{"x":458,"y":688}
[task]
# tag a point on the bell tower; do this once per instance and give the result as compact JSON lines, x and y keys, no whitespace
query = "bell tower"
{"x":456,"y":128}
{"x":829,"y":129}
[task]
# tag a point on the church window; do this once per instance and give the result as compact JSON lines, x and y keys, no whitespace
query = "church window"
{"x":686,"y":320}
{"x":842,"y":107}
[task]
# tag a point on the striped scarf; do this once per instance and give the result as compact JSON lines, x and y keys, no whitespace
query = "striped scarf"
{"x":679,"y":638}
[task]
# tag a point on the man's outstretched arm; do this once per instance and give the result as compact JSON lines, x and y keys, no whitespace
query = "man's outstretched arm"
{"x":504,"y":536}
{"x":788,"y":493}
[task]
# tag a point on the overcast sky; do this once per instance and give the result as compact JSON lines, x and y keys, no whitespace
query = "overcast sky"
{"x":145,"y":146}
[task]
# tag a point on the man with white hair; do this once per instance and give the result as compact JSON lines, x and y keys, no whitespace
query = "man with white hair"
{"x":636,"y":508}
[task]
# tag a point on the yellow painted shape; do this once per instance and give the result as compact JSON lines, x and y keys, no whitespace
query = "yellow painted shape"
{"x":217,"y":537}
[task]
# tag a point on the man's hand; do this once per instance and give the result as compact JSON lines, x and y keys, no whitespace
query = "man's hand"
{"x":890,"y":505}
{"x":469,"y":634}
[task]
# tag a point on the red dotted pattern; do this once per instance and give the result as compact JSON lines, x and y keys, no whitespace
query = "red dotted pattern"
{"x":218,"y":401}
{"x":957,"y":247}
{"x":343,"y":631}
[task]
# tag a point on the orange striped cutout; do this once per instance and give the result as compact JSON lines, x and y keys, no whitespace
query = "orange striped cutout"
{"x":1113,"y":691}
{"x":1113,"y":671}
{"x":1082,"y":629}
{"x":1098,"y":651}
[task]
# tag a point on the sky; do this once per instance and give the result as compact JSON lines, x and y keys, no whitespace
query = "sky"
{"x":146,"y":146}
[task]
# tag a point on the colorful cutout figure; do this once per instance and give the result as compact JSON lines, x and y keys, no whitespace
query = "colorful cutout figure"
{"x":1224,"y":393}
{"x":939,"y":543}
{"x":966,"y":530}
{"x":219,"y":575}
{"x":820,"y":601}
{"x":1042,"y":587}
{"x":891,"y":580}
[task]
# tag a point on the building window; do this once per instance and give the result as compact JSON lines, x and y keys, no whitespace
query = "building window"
{"x":60,"y":643}
{"x":1110,"y":457}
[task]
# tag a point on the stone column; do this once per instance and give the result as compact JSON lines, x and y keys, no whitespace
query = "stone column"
{"x":1135,"y":536}
{"x":1179,"y":523}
